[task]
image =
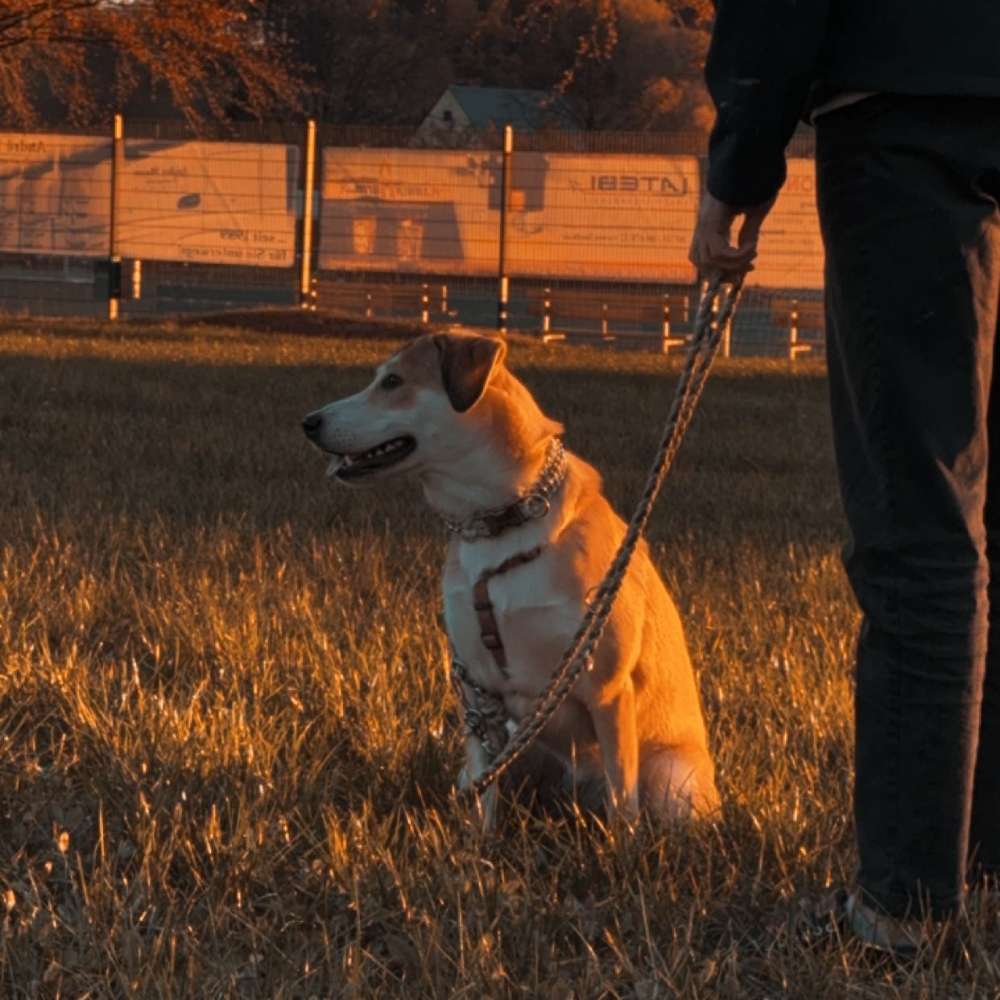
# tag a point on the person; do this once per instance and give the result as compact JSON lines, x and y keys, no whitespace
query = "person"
{"x":905,"y":99}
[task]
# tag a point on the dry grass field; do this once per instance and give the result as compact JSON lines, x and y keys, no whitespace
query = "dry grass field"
{"x":227,"y":742}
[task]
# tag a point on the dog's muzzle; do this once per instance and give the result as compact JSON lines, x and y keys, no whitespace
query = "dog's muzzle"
{"x":349,"y":466}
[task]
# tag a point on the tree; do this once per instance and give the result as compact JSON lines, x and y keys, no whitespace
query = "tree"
{"x":619,"y":64}
{"x":368,"y":61}
{"x":214,"y":57}
{"x":625,"y":64}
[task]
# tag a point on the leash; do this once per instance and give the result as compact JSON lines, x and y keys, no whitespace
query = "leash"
{"x":715,"y":309}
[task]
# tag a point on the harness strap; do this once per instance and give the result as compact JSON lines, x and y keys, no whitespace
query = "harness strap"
{"x":484,"y":712}
{"x":489,"y":629}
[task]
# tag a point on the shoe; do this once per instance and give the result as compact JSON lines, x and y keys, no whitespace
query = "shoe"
{"x":879,"y":930}
{"x":841,"y":915}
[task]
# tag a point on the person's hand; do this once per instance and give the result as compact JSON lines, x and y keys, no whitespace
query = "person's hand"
{"x":712,"y":248}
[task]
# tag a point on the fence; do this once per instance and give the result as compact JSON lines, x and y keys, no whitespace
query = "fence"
{"x":571,"y":235}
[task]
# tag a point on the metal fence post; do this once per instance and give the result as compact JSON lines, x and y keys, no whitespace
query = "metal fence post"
{"x":793,"y":331}
{"x":665,"y":325}
{"x":114,"y":258}
{"x":504,"y":289}
{"x":306,"y":290}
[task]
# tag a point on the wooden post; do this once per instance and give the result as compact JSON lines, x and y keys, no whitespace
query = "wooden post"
{"x":114,"y":258}
{"x":306,"y":287}
{"x":504,"y":289}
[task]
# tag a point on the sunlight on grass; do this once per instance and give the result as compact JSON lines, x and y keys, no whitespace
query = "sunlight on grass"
{"x":228,"y":738}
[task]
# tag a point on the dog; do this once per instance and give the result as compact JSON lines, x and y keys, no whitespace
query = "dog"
{"x":532,"y":536}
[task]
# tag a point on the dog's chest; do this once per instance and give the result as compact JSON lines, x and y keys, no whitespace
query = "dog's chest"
{"x":508,"y":603}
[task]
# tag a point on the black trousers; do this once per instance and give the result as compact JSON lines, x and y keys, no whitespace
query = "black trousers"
{"x":908,"y":192}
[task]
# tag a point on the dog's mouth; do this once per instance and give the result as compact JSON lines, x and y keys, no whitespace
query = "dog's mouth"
{"x":382,"y":456}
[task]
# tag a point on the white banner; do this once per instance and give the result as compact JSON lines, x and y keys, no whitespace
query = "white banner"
{"x":433,"y":211}
{"x":790,"y":253}
{"x":602,"y":216}
{"x":55,"y":194}
{"x":570,"y":215}
{"x":208,"y":202}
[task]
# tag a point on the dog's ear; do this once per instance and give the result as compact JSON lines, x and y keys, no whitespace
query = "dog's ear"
{"x":466,"y":366}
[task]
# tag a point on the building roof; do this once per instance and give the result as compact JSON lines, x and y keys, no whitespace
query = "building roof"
{"x":526,"y":109}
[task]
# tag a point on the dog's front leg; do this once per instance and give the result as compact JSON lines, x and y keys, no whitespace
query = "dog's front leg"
{"x":477,"y":762}
{"x":615,"y":726}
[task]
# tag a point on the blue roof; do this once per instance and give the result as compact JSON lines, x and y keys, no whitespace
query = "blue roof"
{"x":525,"y":109}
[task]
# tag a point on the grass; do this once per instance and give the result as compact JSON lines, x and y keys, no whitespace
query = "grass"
{"x":227,"y":741}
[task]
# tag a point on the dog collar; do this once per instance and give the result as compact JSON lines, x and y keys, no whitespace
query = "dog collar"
{"x":528,"y":507}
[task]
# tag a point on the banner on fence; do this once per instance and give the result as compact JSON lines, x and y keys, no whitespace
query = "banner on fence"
{"x":602,"y":217}
{"x":569,"y":215}
{"x":434,"y":211}
{"x":208,"y":202}
{"x":606,"y":217}
{"x":55,"y":194}
{"x":791,"y":245}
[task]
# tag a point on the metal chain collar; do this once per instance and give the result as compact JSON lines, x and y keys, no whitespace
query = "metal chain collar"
{"x":527,"y":507}
{"x":708,"y":329}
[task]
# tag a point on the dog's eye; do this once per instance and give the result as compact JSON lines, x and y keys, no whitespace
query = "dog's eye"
{"x":391,"y":381}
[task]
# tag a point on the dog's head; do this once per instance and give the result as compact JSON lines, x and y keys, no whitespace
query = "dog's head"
{"x":427,"y":406}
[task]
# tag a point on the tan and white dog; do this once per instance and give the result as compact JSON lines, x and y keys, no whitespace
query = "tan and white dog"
{"x":532,"y":537}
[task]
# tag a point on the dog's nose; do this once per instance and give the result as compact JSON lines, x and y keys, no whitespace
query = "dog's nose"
{"x":311,"y":424}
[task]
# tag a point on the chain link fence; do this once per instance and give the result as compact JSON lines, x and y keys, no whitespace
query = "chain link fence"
{"x":567,"y":235}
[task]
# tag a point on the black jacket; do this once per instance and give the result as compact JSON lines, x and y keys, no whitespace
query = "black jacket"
{"x":771,"y":59}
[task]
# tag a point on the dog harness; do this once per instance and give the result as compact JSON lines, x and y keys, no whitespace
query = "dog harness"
{"x":489,"y":629}
{"x":484,"y":711}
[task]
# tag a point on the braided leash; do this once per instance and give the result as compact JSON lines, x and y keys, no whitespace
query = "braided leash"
{"x":721,"y":293}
